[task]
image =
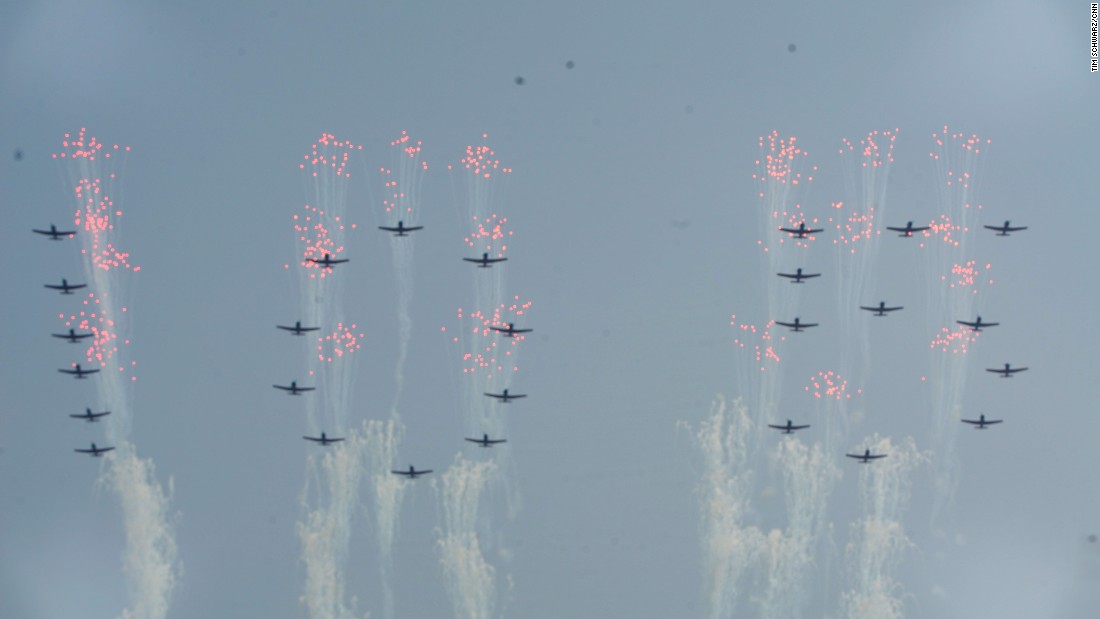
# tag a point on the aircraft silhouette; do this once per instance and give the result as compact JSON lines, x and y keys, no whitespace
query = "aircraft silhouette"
{"x":797,"y":326}
{"x":506,"y":397}
{"x":798,"y":275}
{"x":908,"y":230}
{"x":484,"y":441}
{"x":96,"y":452}
{"x":54,"y":233}
{"x":881,"y":309}
{"x":412,"y":473}
{"x":511,"y":331}
{"x":324,"y":440}
{"x":297,"y":329}
{"x":981,"y":423}
{"x":788,"y":429}
{"x":89,"y":416}
{"x":866,"y":456}
{"x":78,"y":372}
{"x":328,"y":261}
{"x":400,"y":230}
{"x":801,"y":231}
{"x":485,"y":261}
{"x":977,"y":324}
{"x":1007,"y":372}
{"x":66,"y":287}
{"x":72,"y":336}
{"x":1005,"y":229}
{"x":293,"y":389}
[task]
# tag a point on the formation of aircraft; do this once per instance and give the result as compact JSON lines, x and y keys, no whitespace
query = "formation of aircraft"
{"x":72,"y":336}
{"x":1005,"y":229}
{"x":511,"y":331}
{"x":96,"y":452}
{"x":797,"y":326}
{"x":506,"y":397}
{"x":908,"y":230}
{"x":981,"y":422}
{"x":401,"y":230}
{"x":89,"y":416}
{"x":801,"y":231}
{"x":323,"y":440}
{"x":1007,"y":372}
{"x":866,"y":456}
{"x":298,"y":329}
{"x":328,"y":261}
{"x":293,"y":389}
{"x":789,"y":428}
{"x":55,"y":234}
{"x":881,"y":309}
{"x":412,"y":473}
{"x":977,"y":325}
{"x":484,"y":441}
{"x":66,"y":287}
{"x":798,"y":275}
{"x":78,"y":372}
{"x":485,"y":261}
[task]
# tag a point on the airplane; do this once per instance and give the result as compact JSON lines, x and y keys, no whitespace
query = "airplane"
{"x":66,"y":287}
{"x":797,"y":325}
{"x":484,"y":441}
{"x":324,"y":440}
{"x":327,"y":261}
{"x":866,"y":456}
{"x":412,"y":473}
{"x":72,"y":336}
{"x":978,"y":324}
{"x":506,"y":397}
{"x":78,"y":372}
{"x":908,"y":230}
{"x":511,"y":331}
{"x":981,"y":422}
{"x":96,"y":452}
{"x":801,"y":231}
{"x":54,"y":233}
{"x":798,"y":276}
{"x":89,"y":416}
{"x":293,"y":389}
{"x":881,"y":309}
{"x":1005,"y":229}
{"x":788,"y":429}
{"x":297,"y":329}
{"x":1007,"y":372}
{"x":485,"y":261}
{"x":400,"y":230}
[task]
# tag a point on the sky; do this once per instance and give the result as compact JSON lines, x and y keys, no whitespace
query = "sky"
{"x":637,"y":236}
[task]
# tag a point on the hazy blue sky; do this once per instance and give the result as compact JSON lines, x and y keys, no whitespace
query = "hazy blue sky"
{"x":636,"y":219}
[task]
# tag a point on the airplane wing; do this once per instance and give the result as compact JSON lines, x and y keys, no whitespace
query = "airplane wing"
{"x":804,"y":276}
{"x":898,"y":229}
{"x":788,"y":275}
{"x":1005,"y":372}
{"x":306,"y":388}
{"x":495,"y":395}
{"x":892,"y":309}
{"x":969,"y":324}
{"x":1017,"y":229}
{"x":791,"y":230}
{"x":869,"y":309}
{"x":777,"y":427}
{"x":787,"y":324}
{"x":800,"y":427}
{"x":334,"y":440}
{"x":281,"y":387}
{"x":405,"y":473}
{"x":807,"y":325}
{"x":424,"y":472}
{"x":311,"y":438}
{"x":991,"y":422}
{"x":973,"y":422}
{"x":68,"y":371}
{"x":813,"y":230}
{"x":876,"y":456}
{"x":391,"y":229}
{"x":857,"y":457}
{"x":1014,"y":370}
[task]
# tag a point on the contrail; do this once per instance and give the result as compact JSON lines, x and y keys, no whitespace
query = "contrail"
{"x":878,"y":540}
{"x":381,"y":442}
{"x":469,"y":579}
{"x":729,"y":545}
{"x":150,"y":562}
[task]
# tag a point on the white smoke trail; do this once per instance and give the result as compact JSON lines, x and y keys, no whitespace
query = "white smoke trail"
{"x":325,"y":529}
{"x":951,"y":295}
{"x":809,"y":476}
{"x":729,"y":545}
{"x":381,"y":442}
{"x":469,"y":578}
{"x":856,"y":240}
{"x":325,"y":532}
{"x":402,"y":185}
{"x":878,"y":540}
{"x":150,"y":561}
